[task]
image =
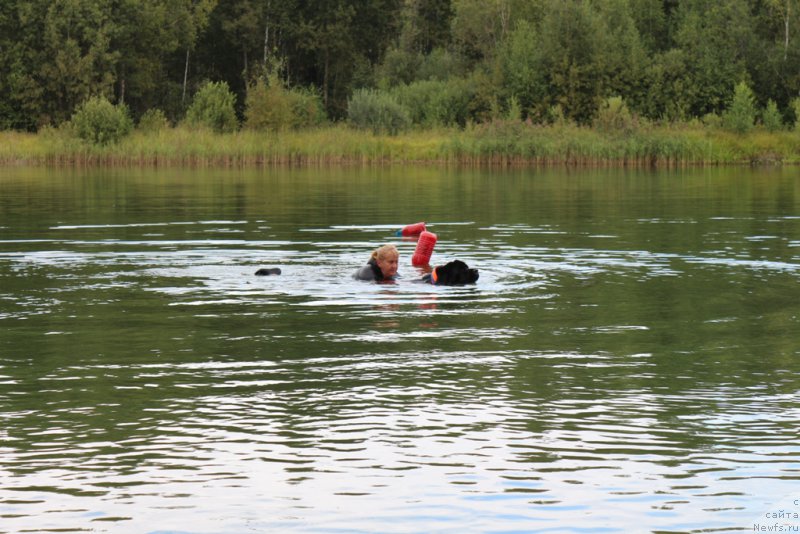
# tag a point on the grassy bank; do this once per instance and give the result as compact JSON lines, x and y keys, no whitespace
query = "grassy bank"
{"x":492,"y":144}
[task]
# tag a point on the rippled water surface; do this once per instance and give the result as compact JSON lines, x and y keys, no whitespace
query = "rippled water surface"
{"x":627,"y":362}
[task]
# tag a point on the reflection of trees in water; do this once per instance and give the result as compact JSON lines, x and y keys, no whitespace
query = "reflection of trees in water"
{"x":660,"y":341}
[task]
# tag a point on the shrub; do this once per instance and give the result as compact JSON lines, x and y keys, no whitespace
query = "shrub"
{"x":271,"y":106}
{"x":741,"y":114}
{"x":100,"y":122}
{"x":712,"y":120}
{"x":399,"y":66}
{"x":213,"y":107}
{"x":795,"y":105}
{"x":416,"y":98}
{"x":153,"y":120}
{"x":771,"y":117}
{"x":555,"y":116}
{"x":440,"y":64}
{"x":377,"y":111}
{"x":267,"y":107}
{"x":307,"y":107}
{"x":485,"y":97}
{"x":514,"y":109}
{"x":614,"y":116}
{"x":451,"y":105}
{"x":436,"y":103}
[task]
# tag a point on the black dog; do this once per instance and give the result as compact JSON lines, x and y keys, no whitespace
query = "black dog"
{"x":264,"y":271}
{"x":454,"y":273}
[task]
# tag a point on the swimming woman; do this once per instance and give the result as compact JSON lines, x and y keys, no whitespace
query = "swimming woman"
{"x":381,"y":266}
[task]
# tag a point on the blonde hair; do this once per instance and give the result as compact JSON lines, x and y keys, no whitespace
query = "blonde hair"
{"x":384,"y":251}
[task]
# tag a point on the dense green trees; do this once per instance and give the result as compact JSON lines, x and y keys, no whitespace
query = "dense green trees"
{"x":445,"y":62}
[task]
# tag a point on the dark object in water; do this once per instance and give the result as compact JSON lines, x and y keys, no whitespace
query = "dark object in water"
{"x":454,"y":273}
{"x":267,"y":271}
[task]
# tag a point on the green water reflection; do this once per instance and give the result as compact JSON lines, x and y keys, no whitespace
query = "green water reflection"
{"x":629,"y":355}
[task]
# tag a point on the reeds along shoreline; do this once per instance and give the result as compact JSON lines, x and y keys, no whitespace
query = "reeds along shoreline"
{"x":502,"y":144}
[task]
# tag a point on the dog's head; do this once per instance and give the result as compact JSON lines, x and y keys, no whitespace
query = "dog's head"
{"x":454,"y":273}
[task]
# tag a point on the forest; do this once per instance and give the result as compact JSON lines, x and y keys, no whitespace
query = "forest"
{"x":392,"y":65}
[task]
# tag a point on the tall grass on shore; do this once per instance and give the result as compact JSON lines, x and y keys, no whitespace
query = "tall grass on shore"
{"x":500,"y":143}
{"x":659,"y":146}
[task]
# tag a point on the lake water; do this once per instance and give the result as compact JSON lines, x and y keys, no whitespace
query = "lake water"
{"x":629,"y":360}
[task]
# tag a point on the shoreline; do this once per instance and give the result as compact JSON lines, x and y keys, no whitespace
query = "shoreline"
{"x":511,"y":145}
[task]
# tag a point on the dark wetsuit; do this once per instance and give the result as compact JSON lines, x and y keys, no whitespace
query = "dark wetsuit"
{"x":370,"y":271}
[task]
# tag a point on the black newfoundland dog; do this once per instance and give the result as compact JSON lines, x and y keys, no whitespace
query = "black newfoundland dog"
{"x":453,"y":273}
